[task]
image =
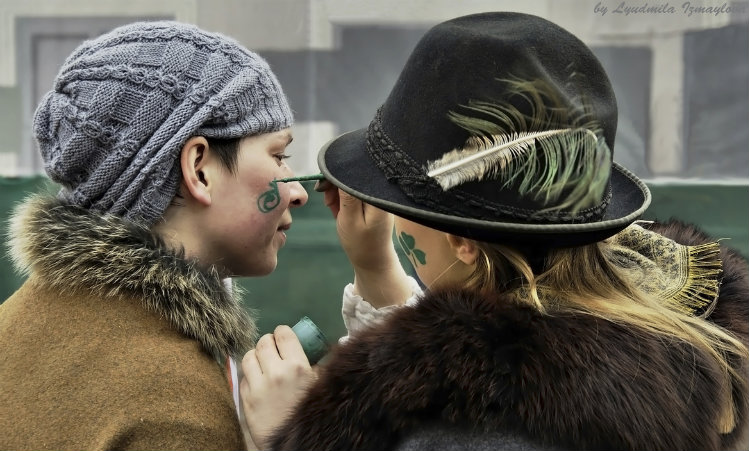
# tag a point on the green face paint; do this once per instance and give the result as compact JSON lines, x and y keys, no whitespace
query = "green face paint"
{"x":270,"y":199}
{"x":408,"y":243}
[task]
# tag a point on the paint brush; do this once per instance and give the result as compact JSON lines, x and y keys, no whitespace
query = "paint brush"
{"x":302,"y":178}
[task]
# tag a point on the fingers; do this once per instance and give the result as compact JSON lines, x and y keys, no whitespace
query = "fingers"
{"x":251,"y":366}
{"x":332,"y":201}
{"x":244,"y":394}
{"x":336,"y":200}
{"x":288,"y":344}
{"x":266,"y":352}
{"x":347,"y":200}
{"x":362,"y":212}
{"x":352,"y":212}
{"x":272,"y":386}
{"x":323,"y":185}
{"x":271,"y":349}
{"x":352,"y":209}
{"x":330,"y":196}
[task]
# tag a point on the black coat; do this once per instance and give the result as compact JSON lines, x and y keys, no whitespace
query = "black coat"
{"x":467,"y":372}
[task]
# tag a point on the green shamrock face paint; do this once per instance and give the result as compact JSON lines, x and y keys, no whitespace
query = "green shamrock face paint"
{"x":408,"y":243}
{"x":270,"y":199}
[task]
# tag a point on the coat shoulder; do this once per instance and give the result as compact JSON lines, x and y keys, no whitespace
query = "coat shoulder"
{"x":143,"y":384}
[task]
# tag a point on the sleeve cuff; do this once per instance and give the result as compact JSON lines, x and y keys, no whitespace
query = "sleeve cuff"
{"x":359,"y":314}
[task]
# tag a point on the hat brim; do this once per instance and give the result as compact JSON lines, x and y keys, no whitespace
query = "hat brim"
{"x":344,"y":162}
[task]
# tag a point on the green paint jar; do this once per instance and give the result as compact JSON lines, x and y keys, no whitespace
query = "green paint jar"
{"x":313,"y":341}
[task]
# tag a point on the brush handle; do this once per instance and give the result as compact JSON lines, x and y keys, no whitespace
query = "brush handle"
{"x":302,"y":178}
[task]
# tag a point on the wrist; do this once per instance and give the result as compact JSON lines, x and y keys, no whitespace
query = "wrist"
{"x":383,"y":287}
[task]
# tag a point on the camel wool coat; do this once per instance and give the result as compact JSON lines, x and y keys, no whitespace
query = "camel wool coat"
{"x":113,"y":341}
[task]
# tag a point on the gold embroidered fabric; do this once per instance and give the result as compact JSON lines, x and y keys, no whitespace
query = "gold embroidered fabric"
{"x":686,"y":277}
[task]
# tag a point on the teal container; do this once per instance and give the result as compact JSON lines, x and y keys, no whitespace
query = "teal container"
{"x":313,"y":341}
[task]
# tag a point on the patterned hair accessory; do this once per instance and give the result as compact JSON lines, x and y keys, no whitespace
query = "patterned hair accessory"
{"x":686,"y":277}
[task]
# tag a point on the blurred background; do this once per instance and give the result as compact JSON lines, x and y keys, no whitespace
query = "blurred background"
{"x":680,"y":72}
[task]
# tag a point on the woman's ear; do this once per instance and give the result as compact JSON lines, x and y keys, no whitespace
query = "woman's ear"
{"x":465,"y":250}
{"x":193,"y":162}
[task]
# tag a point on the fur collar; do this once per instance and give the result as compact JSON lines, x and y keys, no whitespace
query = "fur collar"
{"x":568,"y":380}
{"x":69,"y":246}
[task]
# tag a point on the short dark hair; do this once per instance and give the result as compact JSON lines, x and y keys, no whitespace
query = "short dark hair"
{"x":227,"y":151}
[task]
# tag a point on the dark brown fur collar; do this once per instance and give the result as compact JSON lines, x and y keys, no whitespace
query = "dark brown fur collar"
{"x":71,"y":246}
{"x":568,"y":380}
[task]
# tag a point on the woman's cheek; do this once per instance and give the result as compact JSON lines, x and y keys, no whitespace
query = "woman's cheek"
{"x":270,"y":199}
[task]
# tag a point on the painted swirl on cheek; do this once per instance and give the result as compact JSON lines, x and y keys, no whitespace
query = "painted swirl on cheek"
{"x":270,"y":199}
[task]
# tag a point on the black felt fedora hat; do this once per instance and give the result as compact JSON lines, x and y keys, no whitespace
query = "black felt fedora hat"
{"x":499,"y":128}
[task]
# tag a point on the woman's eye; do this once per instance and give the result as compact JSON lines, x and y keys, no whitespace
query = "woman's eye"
{"x":281,"y":156}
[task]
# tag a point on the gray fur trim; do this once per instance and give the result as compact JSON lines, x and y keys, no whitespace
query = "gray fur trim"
{"x":68,"y":246}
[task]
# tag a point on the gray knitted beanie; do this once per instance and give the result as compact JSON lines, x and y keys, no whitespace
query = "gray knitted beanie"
{"x":123,"y":105}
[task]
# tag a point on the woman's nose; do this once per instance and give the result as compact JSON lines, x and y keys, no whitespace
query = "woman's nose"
{"x":298,"y":195}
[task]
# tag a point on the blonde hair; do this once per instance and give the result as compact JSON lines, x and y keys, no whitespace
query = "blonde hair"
{"x":585,"y":279}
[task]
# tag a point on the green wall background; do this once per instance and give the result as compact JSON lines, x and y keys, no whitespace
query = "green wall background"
{"x":312,"y":268}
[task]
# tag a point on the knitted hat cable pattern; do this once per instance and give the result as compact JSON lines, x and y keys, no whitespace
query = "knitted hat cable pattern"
{"x":111,"y":130}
